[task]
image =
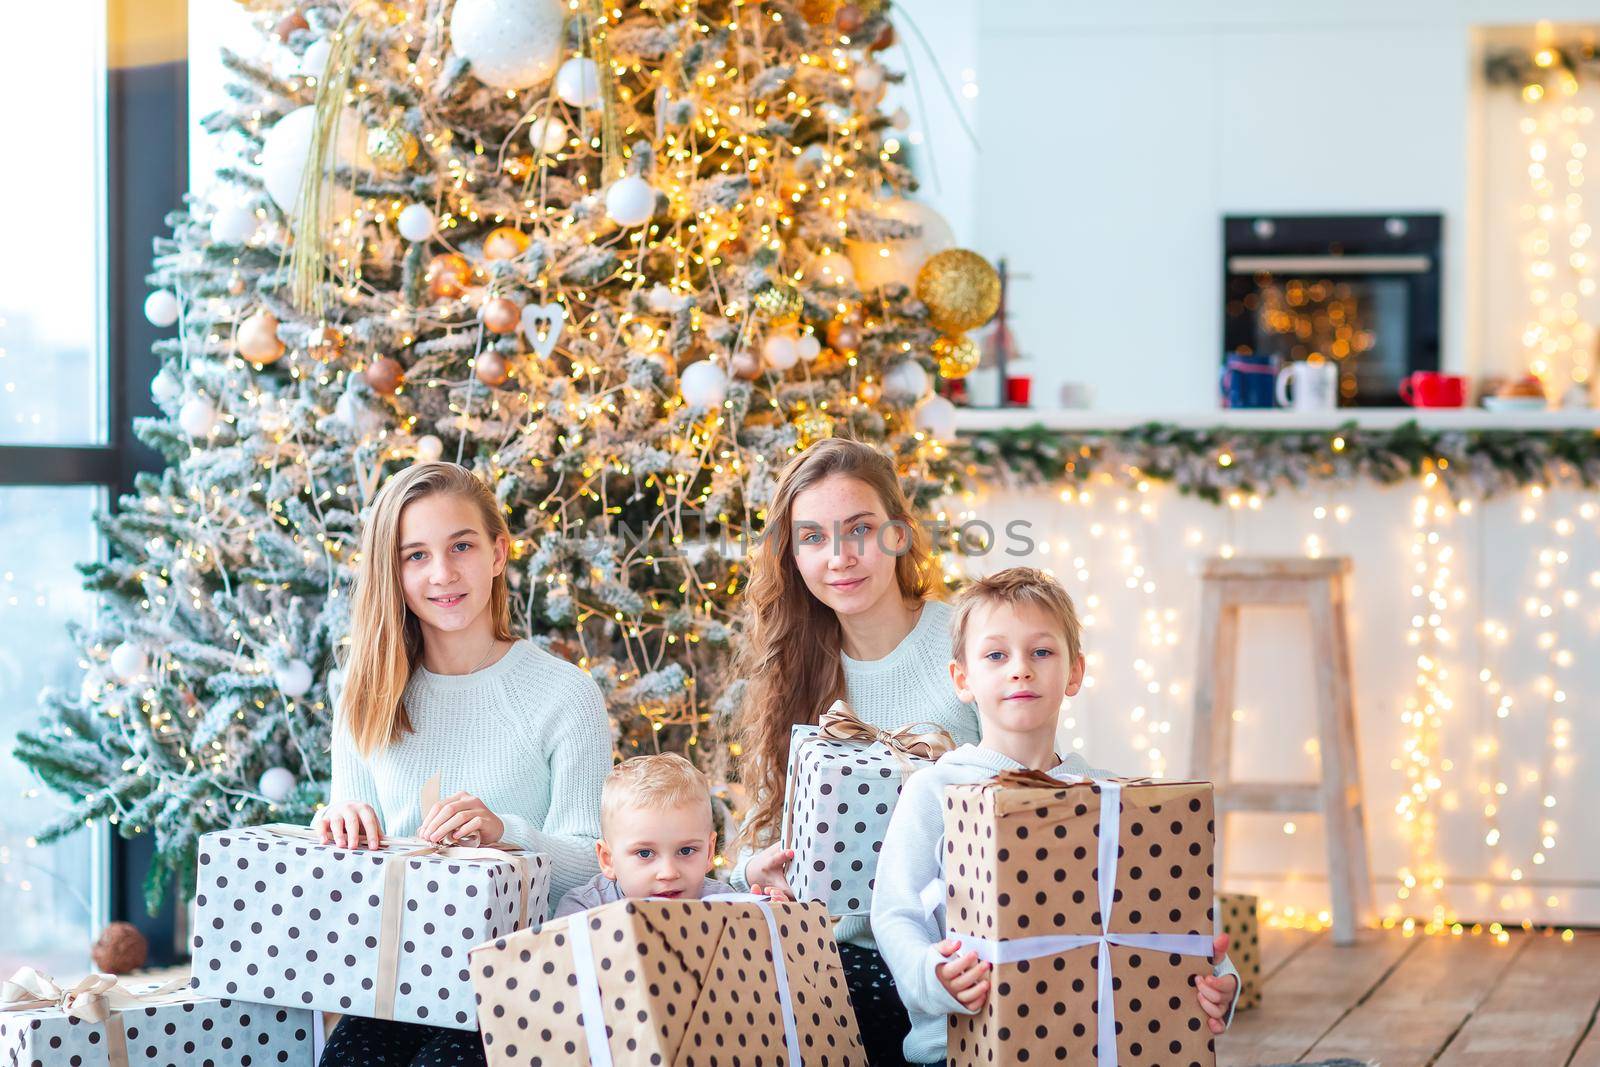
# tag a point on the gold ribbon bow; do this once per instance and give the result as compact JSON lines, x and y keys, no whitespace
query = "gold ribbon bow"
{"x":839,"y":723}
{"x":98,"y":998}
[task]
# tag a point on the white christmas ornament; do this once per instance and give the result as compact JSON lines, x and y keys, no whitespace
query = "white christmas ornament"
{"x":663,"y":300}
{"x":936,"y":417}
{"x":906,"y":382}
{"x":630,"y":201}
{"x":161,"y":308}
{"x":198,"y":417}
{"x":511,"y":44}
{"x":781,"y":350}
{"x":834,"y":270}
{"x":276,"y":784}
{"x":882,"y":263}
{"x":578,"y":82}
{"x":703,"y":384}
{"x":284,"y":149}
{"x":429,"y":448}
{"x":808,"y":347}
{"x":165,"y":389}
{"x":548,"y":135}
{"x":233,"y":224}
{"x":868,"y":78}
{"x":314,"y":61}
{"x":293,"y":678}
{"x":542,"y":325}
{"x":416,"y":223}
{"x":128,"y":661}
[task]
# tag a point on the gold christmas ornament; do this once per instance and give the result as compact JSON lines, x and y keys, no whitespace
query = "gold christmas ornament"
{"x":256,"y":339}
{"x":746,"y":365}
{"x":819,"y":12}
{"x":501,"y":315}
{"x":778,"y":302}
{"x":813,"y":426}
{"x":447,"y":274}
{"x":391,"y":147}
{"x":957,"y":356}
{"x":505,"y":242}
{"x":961,"y":289}
{"x":385,"y":375}
{"x":844,"y":336}
{"x":324,"y":344}
{"x":870,"y":392}
{"x":491,"y":369}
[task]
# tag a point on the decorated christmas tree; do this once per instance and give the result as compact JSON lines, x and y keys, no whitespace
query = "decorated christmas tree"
{"x":623,"y":260}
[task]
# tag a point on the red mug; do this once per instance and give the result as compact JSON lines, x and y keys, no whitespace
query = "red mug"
{"x":1430,"y":389}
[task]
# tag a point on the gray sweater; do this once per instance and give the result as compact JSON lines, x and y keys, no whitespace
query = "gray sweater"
{"x":910,"y":860}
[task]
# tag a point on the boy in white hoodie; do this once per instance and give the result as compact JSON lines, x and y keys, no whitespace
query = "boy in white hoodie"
{"x":1017,"y":654}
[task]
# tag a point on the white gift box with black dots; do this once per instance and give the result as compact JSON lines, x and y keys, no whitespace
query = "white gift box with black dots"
{"x":839,"y":796}
{"x":282,"y":920}
{"x":187,"y":1029}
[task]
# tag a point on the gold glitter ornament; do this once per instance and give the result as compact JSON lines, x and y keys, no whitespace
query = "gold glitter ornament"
{"x":778,"y":302}
{"x":391,"y":147}
{"x":960,"y":288}
{"x":957,"y":356}
{"x":812,"y":426}
{"x":819,"y":12}
{"x":324,"y":344}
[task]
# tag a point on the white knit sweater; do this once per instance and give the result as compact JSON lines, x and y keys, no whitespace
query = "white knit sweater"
{"x":910,"y":685}
{"x":528,"y":735}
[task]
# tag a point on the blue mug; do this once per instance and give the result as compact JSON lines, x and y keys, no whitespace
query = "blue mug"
{"x":1249,"y":381}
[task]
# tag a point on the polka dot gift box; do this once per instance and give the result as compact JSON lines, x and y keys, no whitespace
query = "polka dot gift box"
{"x":137,"y":1025}
{"x":1093,"y":900}
{"x":1236,"y":917}
{"x":670,"y":982}
{"x":381,"y":933}
{"x":844,"y":779}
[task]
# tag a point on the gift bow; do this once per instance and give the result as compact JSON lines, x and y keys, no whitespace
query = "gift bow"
{"x":98,"y":998}
{"x":839,"y":723}
{"x":1016,"y":950}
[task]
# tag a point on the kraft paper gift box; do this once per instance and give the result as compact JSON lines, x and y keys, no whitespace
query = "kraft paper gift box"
{"x":101,"y":1021}
{"x":670,"y":983}
{"x":843,"y":781}
{"x":381,"y":933}
{"x":1093,"y":900}
{"x":1236,"y":917}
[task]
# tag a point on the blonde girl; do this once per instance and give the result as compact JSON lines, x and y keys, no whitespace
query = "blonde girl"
{"x":436,"y":682}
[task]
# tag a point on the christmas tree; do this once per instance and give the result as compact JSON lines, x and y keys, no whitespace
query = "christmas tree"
{"x":622,"y":259}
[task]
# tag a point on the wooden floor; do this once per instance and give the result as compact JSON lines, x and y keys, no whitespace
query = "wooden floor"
{"x":1453,"y":1001}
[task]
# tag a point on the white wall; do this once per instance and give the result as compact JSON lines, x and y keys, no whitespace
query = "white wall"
{"x":1115,"y":137}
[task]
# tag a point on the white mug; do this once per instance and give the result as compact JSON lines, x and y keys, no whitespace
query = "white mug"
{"x":1315,"y":386}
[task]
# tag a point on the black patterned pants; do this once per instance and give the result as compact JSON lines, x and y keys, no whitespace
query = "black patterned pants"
{"x":358,"y":1042}
{"x":880,"y":1015}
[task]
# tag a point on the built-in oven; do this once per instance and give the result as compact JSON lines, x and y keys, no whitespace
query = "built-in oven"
{"x":1358,"y":291}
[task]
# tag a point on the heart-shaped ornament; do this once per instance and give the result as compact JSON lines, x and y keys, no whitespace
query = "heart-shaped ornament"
{"x":542,"y":325}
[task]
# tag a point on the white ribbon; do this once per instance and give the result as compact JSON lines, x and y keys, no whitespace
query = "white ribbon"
{"x":589,"y":998}
{"x":1030,"y":948}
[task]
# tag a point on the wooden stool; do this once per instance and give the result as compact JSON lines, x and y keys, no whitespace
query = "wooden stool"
{"x":1318,"y":586}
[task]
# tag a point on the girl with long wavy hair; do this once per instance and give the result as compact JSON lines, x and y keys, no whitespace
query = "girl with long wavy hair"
{"x":436,"y":682}
{"x":839,"y":605}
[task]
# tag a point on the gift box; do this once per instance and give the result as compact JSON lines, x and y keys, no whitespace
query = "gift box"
{"x":144,"y":1024}
{"x":1093,"y":902}
{"x":844,"y":779}
{"x":381,"y":933}
{"x":726,"y":981}
{"x":1236,"y":917}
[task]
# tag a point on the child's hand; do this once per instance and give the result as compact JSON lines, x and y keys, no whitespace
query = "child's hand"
{"x":343,"y":825}
{"x":1216,"y":993}
{"x":462,"y":819}
{"x":965,"y":977}
{"x":776,"y":892}
{"x":768,"y":868}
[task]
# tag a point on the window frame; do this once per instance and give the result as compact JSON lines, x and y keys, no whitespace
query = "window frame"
{"x":142,"y":174}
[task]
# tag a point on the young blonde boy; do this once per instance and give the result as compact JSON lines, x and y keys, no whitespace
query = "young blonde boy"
{"x":1017,"y":654}
{"x":656,"y":835}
